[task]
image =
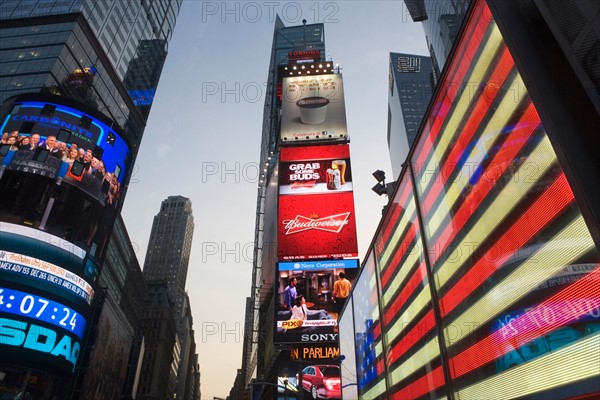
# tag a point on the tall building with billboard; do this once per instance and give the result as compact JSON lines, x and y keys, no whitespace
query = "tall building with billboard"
{"x":311,"y":38}
{"x":73,"y":130}
{"x":305,"y":240}
{"x":482,"y":278}
{"x":410,"y":86}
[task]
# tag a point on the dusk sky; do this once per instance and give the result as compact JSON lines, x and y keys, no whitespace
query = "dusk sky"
{"x":202,"y":141}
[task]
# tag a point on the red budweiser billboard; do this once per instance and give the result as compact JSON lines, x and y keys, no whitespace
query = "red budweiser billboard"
{"x":316,"y":203}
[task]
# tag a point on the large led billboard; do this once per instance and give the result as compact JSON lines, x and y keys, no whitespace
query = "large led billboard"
{"x":313,"y":107}
{"x":307,"y":375}
{"x":484,"y":255}
{"x":63,"y":170}
{"x":307,"y":307}
{"x":316,"y":203}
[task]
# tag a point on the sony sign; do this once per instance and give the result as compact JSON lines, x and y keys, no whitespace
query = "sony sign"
{"x":319,"y":337}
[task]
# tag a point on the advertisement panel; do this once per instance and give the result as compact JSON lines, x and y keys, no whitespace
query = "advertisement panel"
{"x":62,"y":170}
{"x":307,"y":375}
{"x":68,"y":135}
{"x":41,"y":344}
{"x":310,"y":297}
{"x":316,"y":203}
{"x":313,"y":107}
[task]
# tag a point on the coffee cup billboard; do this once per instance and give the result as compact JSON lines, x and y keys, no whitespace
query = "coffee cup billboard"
{"x":313,"y":108}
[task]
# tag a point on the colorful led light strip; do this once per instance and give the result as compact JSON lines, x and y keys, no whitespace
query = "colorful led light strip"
{"x":545,"y":209}
{"x":498,"y":166}
{"x":414,"y":308}
{"x":398,"y":206}
{"x":501,"y":206}
{"x":402,"y":271}
{"x":420,"y":358}
{"x":475,"y":33}
{"x":405,"y":244}
{"x":568,"y":245}
{"x":474,"y":157}
{"x":472,"y":125}
{"x":426,"y":324}
{"x":407,"y":217}
{"x":424,"y":384}
{"x":465,"y":98}
{"x":572,"y":363}
{"x":415,"y":281}
{"x":527,"y":328}
{"x":376,"y":390}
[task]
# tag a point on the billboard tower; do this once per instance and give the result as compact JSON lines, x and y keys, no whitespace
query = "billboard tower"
{"x":305,"y":229}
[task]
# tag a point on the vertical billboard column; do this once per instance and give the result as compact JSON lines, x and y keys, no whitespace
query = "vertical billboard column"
{"x":62,"y":167}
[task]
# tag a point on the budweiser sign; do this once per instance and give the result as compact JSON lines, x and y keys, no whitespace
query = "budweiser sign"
{"x":332,"y":223}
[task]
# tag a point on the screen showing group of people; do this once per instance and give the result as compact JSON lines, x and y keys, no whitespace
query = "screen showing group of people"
{"x":76,"y":164}
{"x":310,"y":303}
{"x":80,"y":209}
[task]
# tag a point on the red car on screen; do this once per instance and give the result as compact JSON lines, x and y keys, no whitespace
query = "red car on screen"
{"x":322,"y":381}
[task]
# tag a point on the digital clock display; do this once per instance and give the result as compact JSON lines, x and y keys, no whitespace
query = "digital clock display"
{"x":36,"y":307}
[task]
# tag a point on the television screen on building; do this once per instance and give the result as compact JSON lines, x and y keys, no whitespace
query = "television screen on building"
{"x":64,"y":170}
{"x":310,"y":296}
{"x":316,"y":203}
{"x":313,"y":107}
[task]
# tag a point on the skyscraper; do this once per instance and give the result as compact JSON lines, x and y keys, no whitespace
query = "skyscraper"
{"x":441,"y":22}
{"x":169,"y":247}
{"x":410,"y":87}
{"x":310,"y":39}
{"x":167,"y":260}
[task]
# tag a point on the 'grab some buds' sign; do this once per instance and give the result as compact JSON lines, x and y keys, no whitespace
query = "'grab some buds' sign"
{"x":316,"y":203}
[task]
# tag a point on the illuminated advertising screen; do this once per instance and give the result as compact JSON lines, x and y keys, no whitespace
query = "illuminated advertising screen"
{"x":40,"y":343}
{"x":19,"y":268}
{"x":407,"y":310}
{"x":307,"y":374}
{"x":313,"y":107}
{"x":39,"y":329}
{"x":484,"y":254}
{"x":44,"y":307}
{"x":61,"y":130}
{"x":310,"y":297}
{"x":316,"y":203}
{"x":305,"y":56}
{"x":63,"y":170}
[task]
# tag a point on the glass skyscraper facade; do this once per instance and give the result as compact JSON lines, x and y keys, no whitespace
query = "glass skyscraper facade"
{"x":410,"y":87}
{"x":441,"y":22}
{"x":84,"y":50}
